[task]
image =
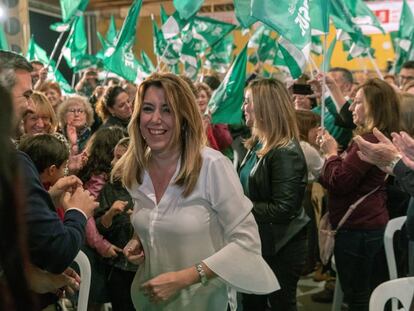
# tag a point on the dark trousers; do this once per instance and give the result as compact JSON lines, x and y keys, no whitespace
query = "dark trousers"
{"x":119,"y":289}
{"x":357,"y":256}
{"x":287,"y":265}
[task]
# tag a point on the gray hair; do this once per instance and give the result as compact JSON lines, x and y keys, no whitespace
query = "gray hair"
{"x":9,"y":63}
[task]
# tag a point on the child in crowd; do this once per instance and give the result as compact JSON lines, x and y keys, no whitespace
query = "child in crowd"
{"x":50,"y":156}
{"x":113,"y":222}
{"x":94,"y":175}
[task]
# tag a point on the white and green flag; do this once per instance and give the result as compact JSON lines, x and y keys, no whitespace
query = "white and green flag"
{"x":226,"y":102}
{"x":291,"y":20}
{"x":404,"y":37}
{"x":319,"y":16}
{"x":242,"y":9}
{"x":76,"y":43}
{"x":70,"y":8}
{"x":120,"y":58}
{"x":219,"y":56}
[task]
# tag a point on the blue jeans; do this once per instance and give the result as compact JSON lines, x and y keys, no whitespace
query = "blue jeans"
{"x":356,"y":254}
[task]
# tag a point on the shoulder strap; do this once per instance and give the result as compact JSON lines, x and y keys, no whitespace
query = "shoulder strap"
{"x":354,"y":206}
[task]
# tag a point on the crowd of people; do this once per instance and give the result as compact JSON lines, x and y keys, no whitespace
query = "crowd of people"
{"x":177,"y":213}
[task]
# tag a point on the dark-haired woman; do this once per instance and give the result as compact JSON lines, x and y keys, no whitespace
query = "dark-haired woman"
{"x":115,"y":108}
{"x":347,"y":178}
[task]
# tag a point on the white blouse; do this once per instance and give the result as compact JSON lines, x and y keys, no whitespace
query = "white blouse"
{"x":213,"y":224}
{"x":314,"y":161}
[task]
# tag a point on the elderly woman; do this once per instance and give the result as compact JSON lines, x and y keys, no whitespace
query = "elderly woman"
{"x":42,"y":120}
{"x":53,"y":93}
{"x":196,"y":240}
{"x":218,"y":135}
{"x":273,"y":175}
{"x":114,"y":107}
{"x":347,"y":178}
{"x":75,"y":117}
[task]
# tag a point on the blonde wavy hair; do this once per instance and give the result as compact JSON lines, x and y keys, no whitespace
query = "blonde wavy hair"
{"x":188,"y":134}
{"x":275,"y":122}
{"x":43,"y":107}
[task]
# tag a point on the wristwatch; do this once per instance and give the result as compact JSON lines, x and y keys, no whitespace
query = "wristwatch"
{"x":201,"y":274}
{"x":393,"y":163}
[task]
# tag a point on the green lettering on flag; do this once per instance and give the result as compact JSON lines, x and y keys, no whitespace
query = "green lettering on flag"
{"x":291,"y":20}
{"x":226,"y":102}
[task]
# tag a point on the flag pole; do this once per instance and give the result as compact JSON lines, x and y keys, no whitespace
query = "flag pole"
{"x":162,"y":56}
{"x":58,"y":62}
{"x":373,"y":62}
{"x":158,"y":57}
{"x":55,"y":48}
{"x":325,"y":41}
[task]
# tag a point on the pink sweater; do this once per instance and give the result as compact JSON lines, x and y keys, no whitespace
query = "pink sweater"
{"x":93,"y":238}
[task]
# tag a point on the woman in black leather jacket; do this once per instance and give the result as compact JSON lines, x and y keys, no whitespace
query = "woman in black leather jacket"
{"x":274,"y":177}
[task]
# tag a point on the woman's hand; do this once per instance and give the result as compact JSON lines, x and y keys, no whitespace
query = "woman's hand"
{"x":327,"y":144}
{"x":117,"y":208}
{"x":134,"y":252}
{"x":163,"y":287}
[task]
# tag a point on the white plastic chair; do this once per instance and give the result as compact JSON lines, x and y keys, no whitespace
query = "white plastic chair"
{"x":85,"y":274}
{"x":401,"y":289}
{"x":338,"y":293}
{"x":392,"y":226}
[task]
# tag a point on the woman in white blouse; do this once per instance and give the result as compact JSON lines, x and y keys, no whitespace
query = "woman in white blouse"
{"x":196,"y":240}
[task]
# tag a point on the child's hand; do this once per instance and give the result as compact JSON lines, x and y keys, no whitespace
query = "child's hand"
{"x":116,"y":208}
{"x":112,"y":251}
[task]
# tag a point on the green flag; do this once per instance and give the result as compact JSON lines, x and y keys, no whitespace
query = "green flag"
{"x":76,"y":43}
{"x":35,"y":52}
{"x":60,"y":27}
{"x":187,"y":8}
{"x":329,"y":54}
{"x":168,"y":52}
{"x":70,"y":8}
{"x":210,"y":30}
{"x":219,"y":57}
{"x":404,"y":37}
{"x":147,"y":63}
{"x":316,"y":47}
{"x":111,"y":32}
{"x":226,"y":102}
{"x":362,"y":15}
{"x":319,"y":16}
{"x":56,"y":75}
{"x":4,"y":45}
{"x":243,"y":13}
{"x":291,"y":20}
{"x":120,"y":58}
{"x":163,"y":14}
{"x":86,"y":61}
{"x":264,"y":42}
{"x":173,"y":25}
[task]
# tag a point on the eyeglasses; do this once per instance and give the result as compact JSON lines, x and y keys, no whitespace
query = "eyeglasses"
{"x":74,"y":111}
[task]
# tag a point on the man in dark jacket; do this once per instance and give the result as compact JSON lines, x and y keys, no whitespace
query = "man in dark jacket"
{"x":53,"y":244}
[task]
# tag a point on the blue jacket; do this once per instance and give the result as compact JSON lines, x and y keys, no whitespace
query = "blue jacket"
{"x":53,"y":244}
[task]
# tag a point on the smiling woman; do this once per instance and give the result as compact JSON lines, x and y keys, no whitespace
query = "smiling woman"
{"x":195,"y":240}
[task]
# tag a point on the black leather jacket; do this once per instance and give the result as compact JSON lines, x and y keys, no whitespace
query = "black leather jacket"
{"x":276,"y":187}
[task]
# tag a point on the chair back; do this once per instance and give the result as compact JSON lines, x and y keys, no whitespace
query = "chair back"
{"x":85,"y":274}
{"x":401,"y":289}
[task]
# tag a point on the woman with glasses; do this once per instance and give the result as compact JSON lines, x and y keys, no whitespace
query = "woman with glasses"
{"x":75,"y":117}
